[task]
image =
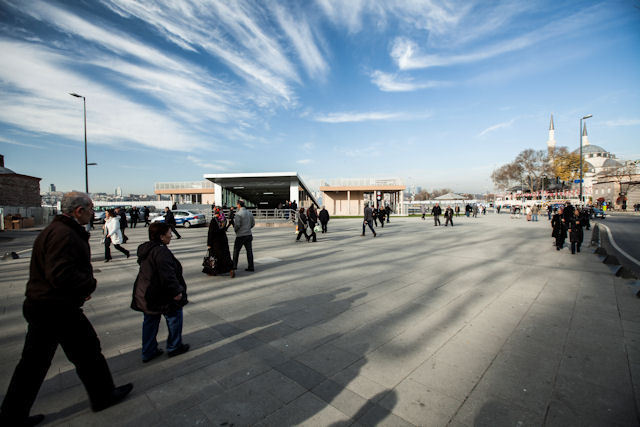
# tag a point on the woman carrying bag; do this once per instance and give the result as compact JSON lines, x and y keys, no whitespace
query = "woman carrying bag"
{"x":159,"y":290}
{"x":302,"y":225}
{"x":112,"y":235}
{"x":219,"y":258}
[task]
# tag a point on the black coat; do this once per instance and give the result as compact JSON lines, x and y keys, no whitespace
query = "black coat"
{"x":448,"y":213}
{"x":324,"y":216}
{"x":313,"y":217}
{"x":159,"y":280}
{"x":60,"y":273}
{"x":123,"y":219}
{"x":302,"y":221}
{"x":575,"y":231}
{"x":437,"y":210}
{"x":559,"y":227}
{"x":219,"y":244}
{"x":169,"y":218}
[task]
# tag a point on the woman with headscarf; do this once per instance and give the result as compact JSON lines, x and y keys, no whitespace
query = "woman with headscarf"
{"x":159,"y":290}
{"x":302,"y":225}
{"x":218,"y":245}
{"x":112,"y":235}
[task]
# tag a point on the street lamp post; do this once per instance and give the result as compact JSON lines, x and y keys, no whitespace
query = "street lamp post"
{"x":86,"y":165}
{"x":581,"y":179}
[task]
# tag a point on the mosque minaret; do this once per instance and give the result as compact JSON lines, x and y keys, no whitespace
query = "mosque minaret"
{"x":551,"y":142}
{"x":585,"y":139}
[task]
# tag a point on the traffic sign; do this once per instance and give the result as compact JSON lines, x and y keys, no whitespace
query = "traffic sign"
{"x":577,"y":181}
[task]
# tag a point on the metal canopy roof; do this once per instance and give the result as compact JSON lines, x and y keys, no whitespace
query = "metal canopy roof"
{"x":270,"y":187}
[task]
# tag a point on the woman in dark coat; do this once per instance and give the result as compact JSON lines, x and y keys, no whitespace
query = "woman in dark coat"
{"x":218,"y":245}
{"x":313,"y":220}
{"x":576,"y":234}
{"x":559,"y":229}
{"x":159,"y":290}
{"x":302,"y":225}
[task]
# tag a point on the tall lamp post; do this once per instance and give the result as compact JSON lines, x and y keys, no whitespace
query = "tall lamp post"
{"x":581,"y":179}
{"x":86,"y":165}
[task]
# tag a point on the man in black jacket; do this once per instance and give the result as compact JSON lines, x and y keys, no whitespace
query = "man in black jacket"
{"x":368,"y":219}
{"x":60,"y":281}
{"x":123,"y":223}
{"x":146,"y":213}
{"x":135,"y":213}
{"x":324,"y":219}
{"x":170,"y":220}
{"x":387,"y":211}
{"x":436,"y":212}
{"x":448,"y":216}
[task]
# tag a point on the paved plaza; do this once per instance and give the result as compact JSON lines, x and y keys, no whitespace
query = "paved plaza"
{"x":484,"y":323}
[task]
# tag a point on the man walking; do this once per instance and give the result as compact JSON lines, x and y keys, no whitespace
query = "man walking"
{"x":123,"y":223}
{"x":436,"y":212}
{"x":368,"y":220}
{"x":324,"y":219}
{"x":60,"y":281}
{"x":448,"y":216}
{"x":171,"y":221}
{"x":134,"y":216}
{"x":243,"y":222}
{"x":146,"y":213}
{"x":387,"y":211}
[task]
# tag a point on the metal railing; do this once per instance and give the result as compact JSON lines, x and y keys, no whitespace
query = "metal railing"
{"x":185,"y":185}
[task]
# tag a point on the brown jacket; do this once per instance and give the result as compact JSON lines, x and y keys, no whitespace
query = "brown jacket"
{"x":60,"y":273}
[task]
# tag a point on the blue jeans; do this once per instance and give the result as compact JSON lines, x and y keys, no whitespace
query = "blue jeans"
{"x":150,"y":331}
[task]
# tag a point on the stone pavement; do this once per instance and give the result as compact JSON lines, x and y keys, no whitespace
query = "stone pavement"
{"x":480,"y":324}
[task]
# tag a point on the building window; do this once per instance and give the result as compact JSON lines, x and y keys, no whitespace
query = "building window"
{"x":608,"y":190}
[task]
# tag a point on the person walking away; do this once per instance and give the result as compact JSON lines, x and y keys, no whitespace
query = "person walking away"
{"x":585,"y":218}
{"x":534,"y":213}
{"x":475,"y":211}
{"x":576,"y":234}
{"x":243,"y":223}
{"x":381,"y":216}
{"x":60,"y":281}
{"x":232,"y":215}
{"x":302,"y":225}
{"x":436,"y":212}
{"x":387,"y":212}
{"x":368,"y":220}
{"x":218,"y":245}
{"x":324,"y":219}
{"x":448,"y":216}
{"x":559,"y":229}
{"x":112,"y":235}
{"x":312,"y":217}
{"x":135,"y":213}
{"x":159,"y":290}
{"x":457,"y":211}
{"x":146,"y":213}
{"x":170,"y":220}
{"x":374,"y":214}
{"x":174,"y":206}
{"x":123,"y":222}
{"x":423,"y":209}
{"x":549,"y":212}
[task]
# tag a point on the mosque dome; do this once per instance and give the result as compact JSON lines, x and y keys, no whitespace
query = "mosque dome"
{"x":587,"y":149}
{"x":610,"y":163}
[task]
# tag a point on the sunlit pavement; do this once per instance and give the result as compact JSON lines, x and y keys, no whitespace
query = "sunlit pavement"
{"x":484,"y":323}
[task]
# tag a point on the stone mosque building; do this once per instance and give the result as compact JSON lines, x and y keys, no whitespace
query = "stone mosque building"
{"x":599,"y":161}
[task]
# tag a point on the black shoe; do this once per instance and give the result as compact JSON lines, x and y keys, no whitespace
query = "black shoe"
{"x":375,"y":234}
{"x":128,"y":254}
{"x":107,"y":260}
{"x":25,"y":422}
{"x":179,"y":237}
{"x":158,"y":352}
{"x":117,"y":395}
{"x":249,"y":269}
{"x":178,"y":351}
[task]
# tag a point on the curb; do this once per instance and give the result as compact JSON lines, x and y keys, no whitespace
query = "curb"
{"x":619,"y":261}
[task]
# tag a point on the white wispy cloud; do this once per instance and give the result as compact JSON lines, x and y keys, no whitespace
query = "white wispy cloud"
{"x":408,"y":55}
{"x":622,"y":122}
{"x":496,"y":127}
{"x":387,"y":82}
{"x":353,"y":117}
{"x":304,"y":161}
{"x":211,"y":164}
{"x":22,"y":144}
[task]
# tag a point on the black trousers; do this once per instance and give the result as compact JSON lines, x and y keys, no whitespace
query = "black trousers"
{"x":107,"y":249}
{"x":48,"y":327}
{"x":560,"y":242}
{"x":146,"y":221}
{"x":313,"y":236}
{"x":124,"y":237}
{"x":324,"y":227}
{"x":448,"y":220}
{"x":574,"y":246}
{"x":436,"y":219}
{"x":134,"y":222}
{"x":173,"y":228}
{"x":237,"y":245}
{"x":301,"y":232}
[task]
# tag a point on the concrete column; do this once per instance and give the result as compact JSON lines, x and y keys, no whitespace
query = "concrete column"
{"x":217,"y":194}
{"x":293,"y":191}
{"x":402,"y":207}
{"x":348,"y":202}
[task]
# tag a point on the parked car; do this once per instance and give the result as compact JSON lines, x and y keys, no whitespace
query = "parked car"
{"x":185,"y":218}
{"x":598,"y":213}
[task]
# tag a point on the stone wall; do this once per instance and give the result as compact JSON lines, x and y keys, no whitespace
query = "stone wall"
{"x":19,"y":190}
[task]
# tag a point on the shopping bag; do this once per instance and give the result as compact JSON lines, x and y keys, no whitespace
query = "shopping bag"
{"x":317,"y":229}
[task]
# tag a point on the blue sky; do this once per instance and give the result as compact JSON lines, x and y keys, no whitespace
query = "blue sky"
{"x":437,"y":93}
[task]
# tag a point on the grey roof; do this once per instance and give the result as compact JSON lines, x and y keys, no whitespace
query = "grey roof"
{"x":591,"y":149}
{"x":610,"y":163}
{"x":551,"y":124}
{"x":450,"y":196}
{"x":6,"y":171}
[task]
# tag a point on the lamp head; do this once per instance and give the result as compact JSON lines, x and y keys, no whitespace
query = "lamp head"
{"x":587,"y":116}
{"x":76,"y":95}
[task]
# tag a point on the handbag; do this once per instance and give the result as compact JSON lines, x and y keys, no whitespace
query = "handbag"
{"x":317,"y":229}
{"x":209,"y":263}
